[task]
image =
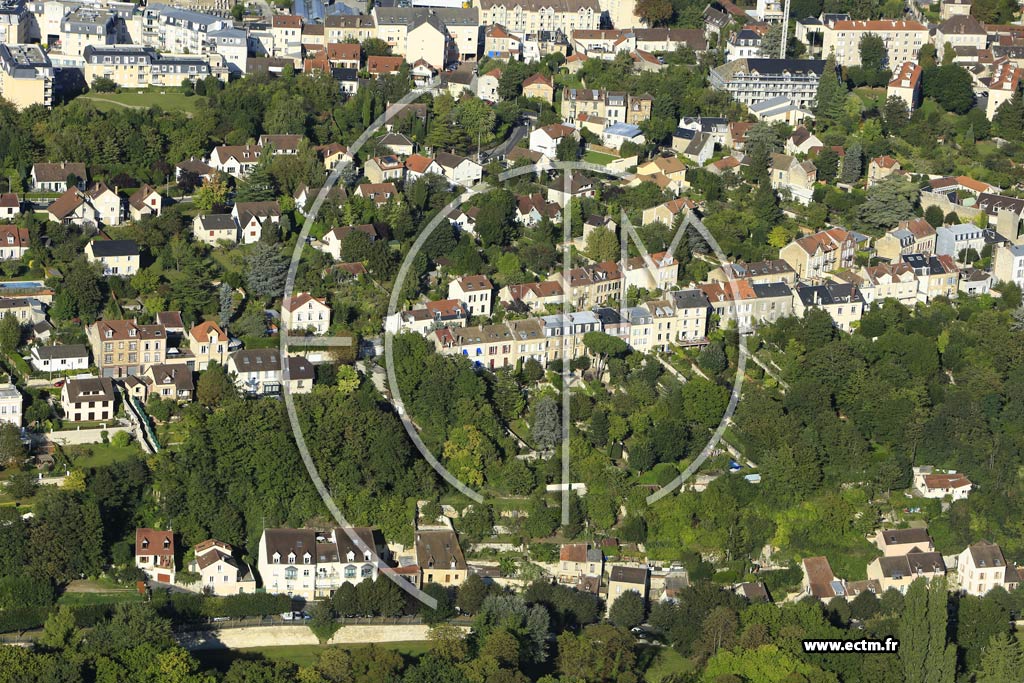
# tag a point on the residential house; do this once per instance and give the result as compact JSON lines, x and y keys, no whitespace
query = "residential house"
{"x":906,"y":84}
{"x":812,"y":256}
{"x":669,"y":212}
{"x":752,"y":81}
{"x":500,"y":44}
{"x":333,"y":240}
{"x":899,"y":572}
{"x":960,"y":31}
{"x":579,"y":186}
{"x":617,"y":134}
{"x":60,"y":357}
{"x":749,"y":304}
{"x":545,"y":139}
{"x":10,"y":404}
{"x":213,"y":228}
{"x":168,"y":382}
{"x":974,"y":281}
{"x":277,"y":145}
{"x":532,"y":208}
{"x":10,"y":206}
{"x":658,"y":271}
{"x":123,"y":347}
{"x":819,"y":581}
{"x":398,"y":144}
{"x":780,"y":110}
{"x":842,"y":301}
{"x":118,"y":257}
{"x":613,"y":107}
{"x":756,"y":273}
{"x":622,"y":579}
{"x":417,"y":166}
{"x":540,"y":87}
{"x":531,"y":296}
{"x":692,"y":310}
{"x":48,"y":177}
{"x":384,"y":169}
{"x":474,"y":292}
{"x":303,"y":312}
{"x":952,"y":8}
{"x":668,"y":171}
{"x":796,"y":177}
{"x":310,"y":564}
{"x":253,"y":217}
{"x":932,"y":483}
{"x":903,"y":39}
{"x":344,"y":55}
{"x":28,"y":310}
{"x":440,"y":558}
{"x":1002,"y":85}
{"x":207,"y":343}
{"x":592,"y":285}
{"x":982,"y":567}
{"x":694,"y":145}
{"x":446,"y":312}
{"x":802,"y":141}
{"x":662,"y":39}
{"x":914,"y":236}
{"x":88,"y":399}
{"x":154,"y":554}
{"x":746,"y":42}
{"x":899,"y":542}
{"x":235,"y":160}
{"x":74,"y":207}
{"x":736,"y":134}
{"x":487,"y":85}
{"x":13,"y":242}
{"x":1006,"y":212}
{"x":881,"y":167}
{"x":1008,"y":264}
{"x":576,"y":560}
{"x":258,"y":372}
{"x":884,"y":281}
{"x":145,"y":201}
{"x":380,"y":193}
{"x":458,"y":169}
{"x":953,"y":240}
{"x":219,"y":571}
{"x":936,"y":276}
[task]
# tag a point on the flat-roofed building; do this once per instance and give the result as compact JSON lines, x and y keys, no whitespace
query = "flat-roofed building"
{"x":26,"y":75}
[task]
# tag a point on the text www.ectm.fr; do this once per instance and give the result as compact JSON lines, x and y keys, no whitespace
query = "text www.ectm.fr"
{"x":860,"y":645}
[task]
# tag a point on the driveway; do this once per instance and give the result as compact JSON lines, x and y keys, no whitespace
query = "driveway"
{"x":518,"y":133}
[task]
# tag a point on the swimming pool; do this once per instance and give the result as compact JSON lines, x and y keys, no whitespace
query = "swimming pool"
{"x":21,"y":284}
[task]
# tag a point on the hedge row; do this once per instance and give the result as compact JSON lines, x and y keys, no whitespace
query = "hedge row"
{"x":194,"y":607}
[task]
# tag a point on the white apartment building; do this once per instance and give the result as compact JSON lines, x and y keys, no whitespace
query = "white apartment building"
{"x":531,"y":16}
{"x":310,"y":564}
{"x":903,"y":39}
{"x":752,"y":81}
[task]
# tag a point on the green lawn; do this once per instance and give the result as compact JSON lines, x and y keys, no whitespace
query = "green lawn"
{"x":104,"y":454}
{"x":666,"y":662}
{"x":302,"y":655}
{"x":106,"y":598}
{"x":598,"y":158}
{"x":169,"y":99}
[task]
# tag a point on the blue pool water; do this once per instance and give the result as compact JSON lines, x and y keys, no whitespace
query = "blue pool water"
{"x":21,"y":284}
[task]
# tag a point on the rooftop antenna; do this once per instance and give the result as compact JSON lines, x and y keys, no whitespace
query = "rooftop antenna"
{"x":785,"y":30}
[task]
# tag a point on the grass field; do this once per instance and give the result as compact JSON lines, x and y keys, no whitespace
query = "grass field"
{"x":107,"y":454}
{"x":598,"y":158}
{"x":666,"y":662}
{"x":302,"y":655}
{"x":97,"y":592}
{"x":169,"y":99}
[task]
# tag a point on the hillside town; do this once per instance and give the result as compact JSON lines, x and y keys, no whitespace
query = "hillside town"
{"x":714,"y":312}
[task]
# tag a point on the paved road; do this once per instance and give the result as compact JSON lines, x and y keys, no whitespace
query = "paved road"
{"x":518,"y":133}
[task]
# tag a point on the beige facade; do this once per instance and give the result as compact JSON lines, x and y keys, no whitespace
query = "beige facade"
{"x":842,"y":301}
{"x":26,"y":75}
{"x":88,"y":399}
{"x":903,"y":39}
{"x":304,"y":312}
{"x":208,"y":343}
{"x":311,"y":564}
{"x":531,"y":16}
{"x":123,"y":347}
{"x":220,"y":573}
{"x":982,"y":567}
{"x":815,"y":255}
{"x":915,"y":236}
{"x":622,"y":579}
{"x":440,"y":558}
{"x":475,"y":292}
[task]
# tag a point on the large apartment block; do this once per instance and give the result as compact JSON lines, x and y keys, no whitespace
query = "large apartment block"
{"x":752,"y":81}
{"x":26,"y":75}
{"x":141,"y":67}
{"x":123,"y":347}
{"x":903,"y":39}
{"x":531,"y":16}
{"x":311,"y":564}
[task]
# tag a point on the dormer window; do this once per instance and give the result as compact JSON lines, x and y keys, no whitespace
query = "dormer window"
{"x":167,"y":543}
{"x":277,"y":558}
{"x":291,"y":558}
{"x":145,"y":543}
